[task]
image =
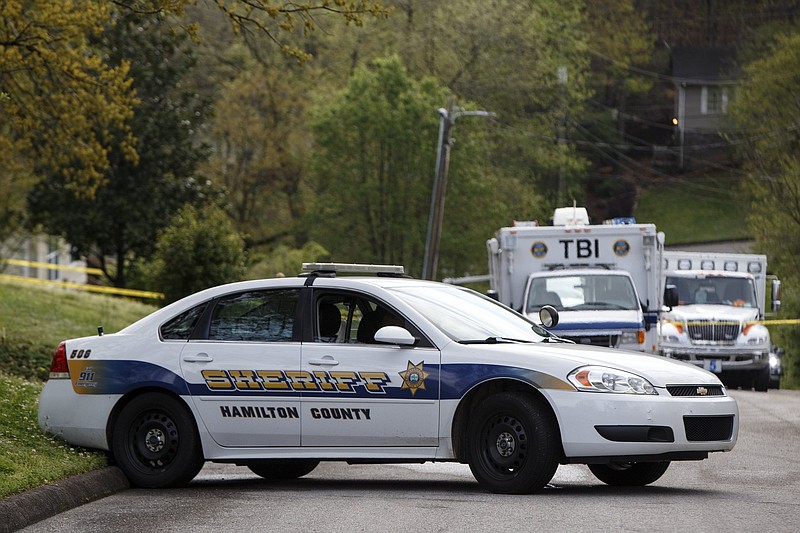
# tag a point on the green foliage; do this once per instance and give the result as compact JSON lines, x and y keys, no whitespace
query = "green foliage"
{"x":58,"y":98}
{"x":136,"y":199}
{"x":199,"y":249}
{"x":770,"y":150}
{"x":285,"y":261}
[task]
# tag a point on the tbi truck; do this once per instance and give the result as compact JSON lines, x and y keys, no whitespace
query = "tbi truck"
{"x":605,"y":280}
{"x":716,"y":324}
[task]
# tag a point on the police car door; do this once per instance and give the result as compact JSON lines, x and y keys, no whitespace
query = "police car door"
{"x":237,"y":370}
{"x":362,"y":393}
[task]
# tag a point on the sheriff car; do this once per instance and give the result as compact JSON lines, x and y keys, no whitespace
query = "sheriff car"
{"x":280,"y":374}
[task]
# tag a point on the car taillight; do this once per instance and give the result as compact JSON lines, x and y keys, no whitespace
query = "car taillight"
{"x":59,"y":368}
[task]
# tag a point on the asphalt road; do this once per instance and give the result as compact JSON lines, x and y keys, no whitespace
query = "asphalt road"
{"x":754,"y":487}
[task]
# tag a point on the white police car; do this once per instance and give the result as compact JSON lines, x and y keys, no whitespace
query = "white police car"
{"x":281,"y":374}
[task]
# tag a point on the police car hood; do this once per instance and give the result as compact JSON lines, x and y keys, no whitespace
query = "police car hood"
{"x":557,"y":357}
{"x":711,"y":312}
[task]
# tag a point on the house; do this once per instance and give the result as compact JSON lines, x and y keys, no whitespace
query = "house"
{"x":705,"y":79}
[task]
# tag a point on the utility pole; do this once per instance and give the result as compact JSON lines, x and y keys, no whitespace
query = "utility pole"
{"x":447,"y":119}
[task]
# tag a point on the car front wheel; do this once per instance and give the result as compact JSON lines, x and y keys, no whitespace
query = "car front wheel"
{"x":629,"y":474}
{"x":155,"y":442}
{"x":513,"y":444}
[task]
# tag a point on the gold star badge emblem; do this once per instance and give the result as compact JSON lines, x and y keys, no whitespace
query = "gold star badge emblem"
{"x":414,"y":377}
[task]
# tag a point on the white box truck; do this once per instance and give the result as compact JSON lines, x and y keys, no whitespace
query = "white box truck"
{"x":717,"y":322}
{"x":604,"y":280}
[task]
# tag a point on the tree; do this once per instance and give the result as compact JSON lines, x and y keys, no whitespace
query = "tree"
{"x":259,"y":139}
{"x":137,"y":198}
{"x":199,"y":249}
{"x":59,"y":100}
{"x":506,"y":59}
{"x":767,"y":114}
{"x":374,"y":159}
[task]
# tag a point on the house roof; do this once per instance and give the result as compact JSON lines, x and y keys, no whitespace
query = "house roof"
{"x":703,"y":64}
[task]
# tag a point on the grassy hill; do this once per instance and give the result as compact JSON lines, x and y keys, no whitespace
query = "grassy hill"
{"x":33,"y":320}
{"x":696,"y":209}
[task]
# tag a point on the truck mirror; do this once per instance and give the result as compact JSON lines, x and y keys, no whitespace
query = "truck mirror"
{"x":776,"y":295}
{"x":548,"y":316}
{"x":670,"y":296}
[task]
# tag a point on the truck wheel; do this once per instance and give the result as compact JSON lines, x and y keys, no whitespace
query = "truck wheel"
{"x":629,"y":474}
{"x":282,"y":469}
{"x":513,"y":444}
{"x":761,"y":382}
{"x":155,"y":442}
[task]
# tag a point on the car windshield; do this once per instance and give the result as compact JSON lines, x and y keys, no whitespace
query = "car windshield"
{"x":582,"y":293}
{"x":719,"y":290}
{"x":466,"y":316}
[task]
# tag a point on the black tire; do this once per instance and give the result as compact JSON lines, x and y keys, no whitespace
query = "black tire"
{"x":155,"y":442}
{"x":761,"y":382}
{"x":513,"y":444}
{"x":629,"y":474}
{"x":282,"y":469}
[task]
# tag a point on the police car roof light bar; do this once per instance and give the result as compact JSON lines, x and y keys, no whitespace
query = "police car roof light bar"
{"x":354,"y":268}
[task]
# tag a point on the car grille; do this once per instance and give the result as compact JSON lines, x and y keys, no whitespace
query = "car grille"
{"x":696,"y":390}
{"x":611,"y":341}
{"x":724,"y":332}
{"x":708,"y":428}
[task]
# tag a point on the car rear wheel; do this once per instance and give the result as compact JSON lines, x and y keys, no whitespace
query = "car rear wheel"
{"x":513,"y":444}
{"x":155,"y":442}
{"x":282,"y":469}
{"x":629,"y":474}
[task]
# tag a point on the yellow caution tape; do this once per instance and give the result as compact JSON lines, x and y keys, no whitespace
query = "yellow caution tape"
{"x":81,"y":287}
{"x":51,"y":266}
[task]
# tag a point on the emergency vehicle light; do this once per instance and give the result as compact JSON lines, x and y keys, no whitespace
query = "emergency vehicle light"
{"x":731,"y":266}
{"x":684,"y":264}
{"x":707,"y":264}
{"x":754,"y":267}
{"x":353,"y":267}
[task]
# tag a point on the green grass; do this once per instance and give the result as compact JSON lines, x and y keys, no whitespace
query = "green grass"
{"x":696,"y":209}
{"x":33,"y":320}
{"x":28,"y":457}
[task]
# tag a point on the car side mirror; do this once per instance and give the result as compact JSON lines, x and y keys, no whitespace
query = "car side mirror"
{"x":670,"y":296}
{"x":548,"y":316}
{"x":395,"y":335}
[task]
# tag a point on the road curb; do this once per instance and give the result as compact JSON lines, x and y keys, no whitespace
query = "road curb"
{"x":22,"y":510}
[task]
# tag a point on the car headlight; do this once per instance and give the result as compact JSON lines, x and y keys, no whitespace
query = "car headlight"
{"x":604,"y":379}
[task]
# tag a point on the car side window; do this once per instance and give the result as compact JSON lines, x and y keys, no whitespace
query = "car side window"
{"x":181,"y":327}
{"x":257,"y":316}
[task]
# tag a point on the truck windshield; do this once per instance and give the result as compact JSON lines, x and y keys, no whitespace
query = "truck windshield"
{"x":582,"y":292}
{"x":719,"y":290}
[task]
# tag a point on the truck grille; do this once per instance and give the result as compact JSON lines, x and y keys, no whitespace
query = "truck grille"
{"x":721,"y":331}
{"x":708,"y":428}
{"x":611,"y":341}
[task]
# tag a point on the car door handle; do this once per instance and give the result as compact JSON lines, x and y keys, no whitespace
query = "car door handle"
{"x":325,"y":361}
{"x":198,"y":358}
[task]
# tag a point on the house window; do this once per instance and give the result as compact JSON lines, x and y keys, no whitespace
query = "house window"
{"x":714,"y":100}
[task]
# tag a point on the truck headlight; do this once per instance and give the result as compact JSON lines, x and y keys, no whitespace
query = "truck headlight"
{"x":632,"y":337}
{"x":604,"y":379}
